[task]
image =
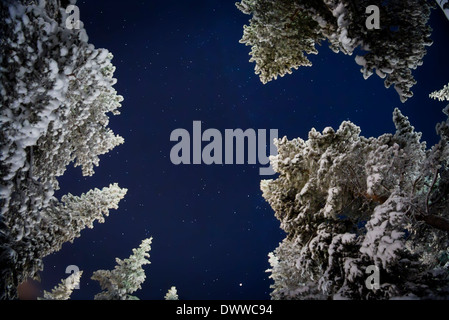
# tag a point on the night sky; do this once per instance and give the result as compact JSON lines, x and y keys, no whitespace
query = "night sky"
{"x":181,"y":61}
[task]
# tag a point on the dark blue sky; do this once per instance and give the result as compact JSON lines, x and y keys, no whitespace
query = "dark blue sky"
{"x":180,"y":61}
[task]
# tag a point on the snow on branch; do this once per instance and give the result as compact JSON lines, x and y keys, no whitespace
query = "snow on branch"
{"x":348,"y":202}
{"x":56,"y":95}
{"x":282,"y":34}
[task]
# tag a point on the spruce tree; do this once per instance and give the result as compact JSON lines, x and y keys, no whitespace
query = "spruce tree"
{"x":56,"y":98}
{"x":348,"y":202}
{"x":282,"y":33}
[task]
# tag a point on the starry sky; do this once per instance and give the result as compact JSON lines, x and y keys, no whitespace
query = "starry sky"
{"x":179,"y":62}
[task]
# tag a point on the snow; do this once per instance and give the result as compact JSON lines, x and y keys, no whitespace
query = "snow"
{"x":442,"y":3}
{"x":46,"y":126}
{"x":64,"y":51}
{"x":380,"y":73}
{"x":360,"y":60}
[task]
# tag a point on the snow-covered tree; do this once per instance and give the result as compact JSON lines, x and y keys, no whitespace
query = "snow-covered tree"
{"x":172,"y":294}
{"x":282,"y":33}
{"x":64,"y":290}
{"x":442,"y":94}
{"x":118,"y":284}
{"x":127,"y":276}
{"x":444,"y":5}
{"x":348,"y":202}
{"x":56,"y":91}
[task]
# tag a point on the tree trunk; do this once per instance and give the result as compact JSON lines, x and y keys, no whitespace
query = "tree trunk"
{"x":435,"y":221}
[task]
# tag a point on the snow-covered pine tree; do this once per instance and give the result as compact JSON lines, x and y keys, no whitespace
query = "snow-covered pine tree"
{"x":56,"y":94}
{"x":118,"y":284}
{"x":172,"y":294}
{"x":64,"y":290}
{"x":348,"y":202}
{"x":442,"y":94}
{"x":282,"y":33}
{"x":127,"y":276}
{"x":444,"y":5}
